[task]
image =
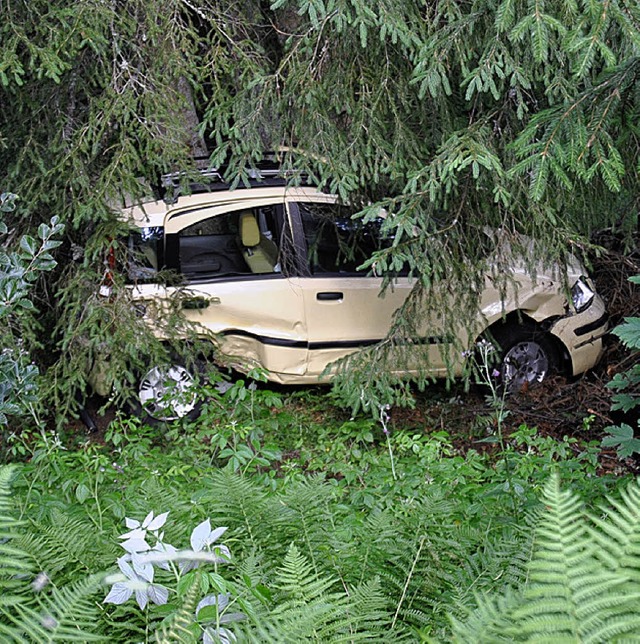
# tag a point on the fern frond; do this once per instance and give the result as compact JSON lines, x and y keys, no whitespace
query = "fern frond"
{"x":617,"y":533}
{"x":570,"y":594}
{"x":297,"y":582}
{"x":66,"y":547}
{"x":69,"y":614}
{"x":178,"y":629}
{"x":370,"y":608}
{"x":251,"y":568}
{"x":308,"y":522}
{"x":360,"y":550}
{"x":310,"y":610}
{"x":17,"y":618}
{"x":489,"y":621}
{"x":13,"y":560}
{"x":501,"y":562}
{"x":244,"y":506}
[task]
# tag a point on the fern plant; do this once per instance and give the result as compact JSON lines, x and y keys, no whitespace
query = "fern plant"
{"x":31,"y":608}
{"x":583,"y":580}
{"x":313,"y":608}
{"x":15,"y":565}
{"x":626,"y":385}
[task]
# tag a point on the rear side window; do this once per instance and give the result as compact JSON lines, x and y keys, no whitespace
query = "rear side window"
{"x":241,"y":242}
{"x":145,"y":254}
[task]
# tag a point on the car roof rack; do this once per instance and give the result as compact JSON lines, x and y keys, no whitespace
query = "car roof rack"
{"x":264,"y":173}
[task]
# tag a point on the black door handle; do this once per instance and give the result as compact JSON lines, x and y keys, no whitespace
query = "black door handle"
{"x":329,"y":295}
{"x":195,"y":303}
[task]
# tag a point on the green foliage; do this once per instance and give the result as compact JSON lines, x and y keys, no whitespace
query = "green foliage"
{"x":582,"y":582}
{"x":69,"y":614}
{"x":28,"y":610}
{"x":14,"y":562}
{"x":626,"y":385}
{"x":310,"y":608}
{"x":332,"y":540}
{"x":19,"y":269}
{"x":622,"y":437}
{"x":177,"y":628}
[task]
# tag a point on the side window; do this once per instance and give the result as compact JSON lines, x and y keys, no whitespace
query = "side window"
{"x":144,"y":254}
{"x":336,"y":243}
{"x":241,"y":242}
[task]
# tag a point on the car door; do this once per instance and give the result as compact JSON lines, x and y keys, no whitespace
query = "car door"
{"x":258,"y":316}
{"x":343,"y":304}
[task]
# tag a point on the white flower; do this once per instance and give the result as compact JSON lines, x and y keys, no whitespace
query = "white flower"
{"x":135,"y":545}
{"x":136,"y":537}
{"x":203,"y":538}
{"x":136,"y":580}
{"x":164,"y":548}
{"x":139,"y":530}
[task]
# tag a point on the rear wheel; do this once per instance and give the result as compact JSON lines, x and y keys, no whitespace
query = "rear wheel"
{"x":168,"y":393}
{"x":527,"y":356}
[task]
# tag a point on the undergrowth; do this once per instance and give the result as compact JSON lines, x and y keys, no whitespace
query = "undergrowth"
{"x":336,"y":529}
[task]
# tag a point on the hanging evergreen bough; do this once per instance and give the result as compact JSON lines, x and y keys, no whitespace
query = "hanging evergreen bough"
{"x":503,"y":114}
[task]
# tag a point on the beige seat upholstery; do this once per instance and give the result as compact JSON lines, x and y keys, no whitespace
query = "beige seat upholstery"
{"x":260,"y":253}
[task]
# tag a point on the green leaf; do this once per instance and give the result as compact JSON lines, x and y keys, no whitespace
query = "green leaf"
{"x":208,"y":613}
{"x":629,"y":332}
{"x":29,"y":245}
{"x":82,"y":493}
{"x":25,"y":304}
{"x":623,"y":439}
{"x":624,"y":402}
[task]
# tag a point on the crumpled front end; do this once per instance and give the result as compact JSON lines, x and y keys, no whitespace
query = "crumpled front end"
{"x":582,"y":333}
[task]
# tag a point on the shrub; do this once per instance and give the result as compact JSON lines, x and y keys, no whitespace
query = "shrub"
{"x":626,"y":385}
{"x":19,"y":269}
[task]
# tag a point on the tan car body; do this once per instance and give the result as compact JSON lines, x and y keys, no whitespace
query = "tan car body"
{"x":283,"y":324}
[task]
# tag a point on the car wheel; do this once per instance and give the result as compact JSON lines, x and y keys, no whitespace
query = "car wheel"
{"x":168,"y":393}
{"x":527,"y":356}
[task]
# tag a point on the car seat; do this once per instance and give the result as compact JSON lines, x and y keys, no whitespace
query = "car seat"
{"x":260,"y":252}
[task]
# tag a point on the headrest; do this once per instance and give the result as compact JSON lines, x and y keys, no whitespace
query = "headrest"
{"x":249,"y":231}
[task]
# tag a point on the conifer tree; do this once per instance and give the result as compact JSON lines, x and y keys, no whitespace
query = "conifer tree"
{"x":518,"y":114}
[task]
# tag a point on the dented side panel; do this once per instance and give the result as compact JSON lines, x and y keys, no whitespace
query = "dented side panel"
{"x":259,"y":320}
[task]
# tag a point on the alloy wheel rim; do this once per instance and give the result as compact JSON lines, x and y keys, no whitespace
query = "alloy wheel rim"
{"x":166,"y":393}
{"x":525,"y":362}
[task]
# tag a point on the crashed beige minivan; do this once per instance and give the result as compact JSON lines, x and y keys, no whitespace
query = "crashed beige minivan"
{"x":272,"y":273}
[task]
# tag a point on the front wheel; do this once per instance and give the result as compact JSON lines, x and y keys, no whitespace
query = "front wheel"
{"x":527,"y":356}
{"x":168,"y":393}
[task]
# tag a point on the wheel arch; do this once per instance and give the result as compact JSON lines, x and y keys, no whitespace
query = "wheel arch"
{"x":521,"y":318}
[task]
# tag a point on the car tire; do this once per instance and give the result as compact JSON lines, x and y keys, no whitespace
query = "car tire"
{"x":166,"y":393}
{"x":527,"y":356}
